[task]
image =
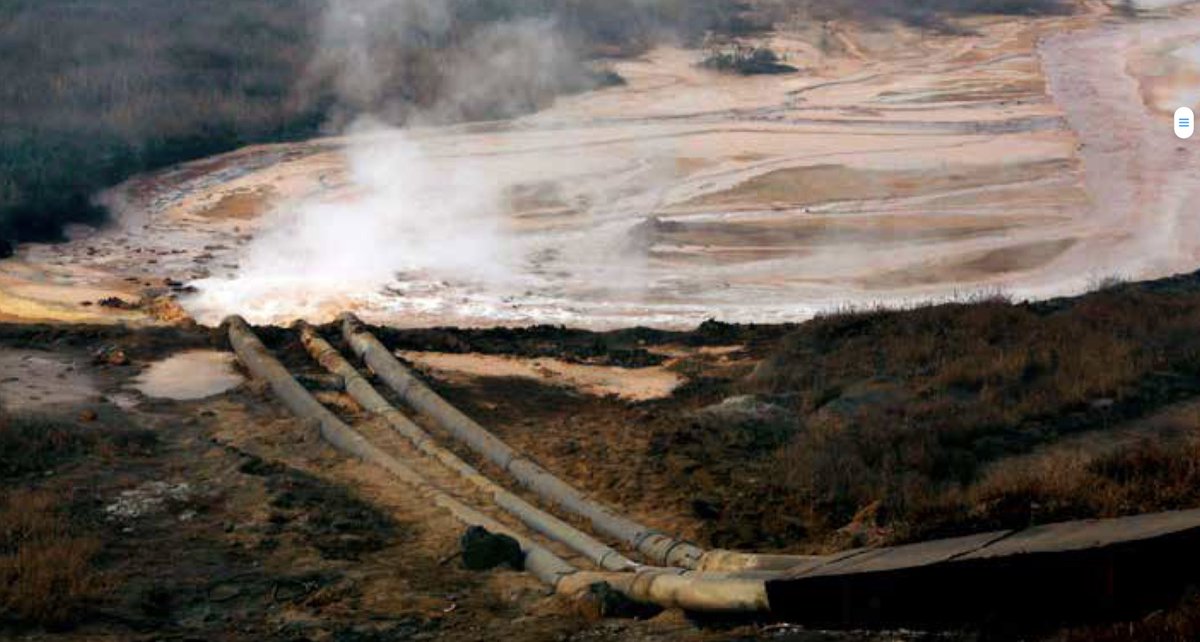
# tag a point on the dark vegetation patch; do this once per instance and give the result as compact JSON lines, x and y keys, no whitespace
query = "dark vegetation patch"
{"x":631,"y":347}
{"x":34,"y":445}
{"x":1146,"y":476}
{"x":95,"y":92}
{"x":932,"y":14}
{"x":50,"y":571}
{"x":142,"y":344}
{"x":747,"y":61}
{"x":48,"y":574}
{"x":896,"y":416}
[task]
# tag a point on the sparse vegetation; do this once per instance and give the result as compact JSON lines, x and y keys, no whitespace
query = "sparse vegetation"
{"x":34,"y":444}
{"x":1143,"y":477}
{"x":747,"y":61}
{"x":933,"y":14}
{"x":48,"y":563}
{"x":47,"y":571}
{"x":906,"y":420}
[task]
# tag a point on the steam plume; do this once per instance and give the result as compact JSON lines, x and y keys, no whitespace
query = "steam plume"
{"x":404,"y":213}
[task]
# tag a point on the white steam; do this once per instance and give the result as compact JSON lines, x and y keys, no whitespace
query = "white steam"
{"x":405,"y":218}
{"x":402,"y":216}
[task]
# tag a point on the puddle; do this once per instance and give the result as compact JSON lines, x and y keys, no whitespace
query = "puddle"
{"x":186,"y":376}
{"x":34,"y":380}
{"x":635,"y":384}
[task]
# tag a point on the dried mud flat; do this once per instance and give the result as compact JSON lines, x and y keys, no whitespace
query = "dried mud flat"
{"x":895,"y":167}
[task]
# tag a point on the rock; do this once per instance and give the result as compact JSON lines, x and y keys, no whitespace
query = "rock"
{"x":706,"y":507}
{"x":748,"y":421}
{"x":166,"y":308}
{"x":88,"y":416}
{"x":483,"y":550}
{"x":868,"y":397}
{"x":746,"y":408}
{"x":117,"y":303}
{"x":110,"y":355}
{"x":645,"y":234}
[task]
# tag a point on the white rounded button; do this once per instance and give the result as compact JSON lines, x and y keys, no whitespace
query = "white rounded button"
{"x":1185,"y":122}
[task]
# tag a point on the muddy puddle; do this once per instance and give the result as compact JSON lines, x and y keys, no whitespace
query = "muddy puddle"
{"x":32,"y":381}
{"x":634,"y":384}
{"x":186,"y":376}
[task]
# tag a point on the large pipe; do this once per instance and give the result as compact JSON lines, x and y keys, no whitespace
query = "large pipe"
{"x":663,"y":587}
{"x":677,"y":588}
{"x":542,"y":563}
{"x":657,"y":547}
{"x":366,"y":396}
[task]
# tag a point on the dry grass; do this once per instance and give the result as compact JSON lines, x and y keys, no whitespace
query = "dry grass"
{"x":29,"y":445}
{"x":32,"y":444}
{"x":47,"y":572}
{"x":911,"y":420}
{"x":48,"y":575}
{"x":1143,"y":477}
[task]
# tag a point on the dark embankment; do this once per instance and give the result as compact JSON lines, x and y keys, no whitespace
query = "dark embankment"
{"x":876,"y":427}
{"x":900,"y":425}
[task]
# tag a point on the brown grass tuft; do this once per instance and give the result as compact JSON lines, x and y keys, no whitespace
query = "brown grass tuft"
{"x":47,"y":575}
{"x":926,"y":414}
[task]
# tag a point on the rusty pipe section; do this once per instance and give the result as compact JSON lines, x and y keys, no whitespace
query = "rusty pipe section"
{"x":548,"y":525}
{"x":655,"y":546}
{"x":677,"y":588}
{"x":702,"y":592}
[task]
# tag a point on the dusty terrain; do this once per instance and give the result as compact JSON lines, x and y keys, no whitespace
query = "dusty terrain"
{"x":897,"y":166}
